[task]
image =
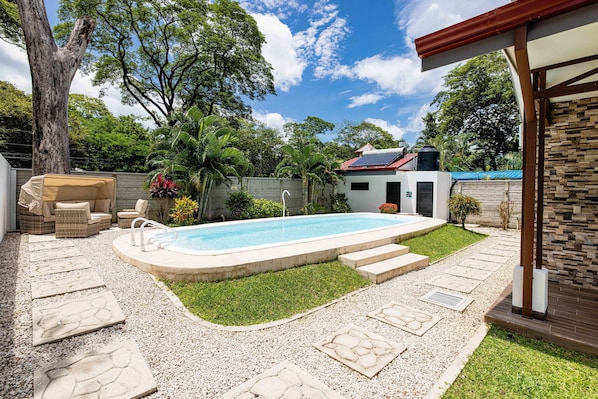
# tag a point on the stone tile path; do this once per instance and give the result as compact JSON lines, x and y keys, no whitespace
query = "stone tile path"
{"x":454,"y":283}
{"x":480,"y":264}
{"x":58,"y":266}
{"x":76,"y":316}
{"x":56,"y":253}
{"x":359,"y":349}
{"x":406,"y":318}
{"x":469,"y":272}
{"x":490,"y":258}
{"x":115,"y":371}
{"x":82,"y":281}
{"x":284,"y":380}
{"x":46,"y":245}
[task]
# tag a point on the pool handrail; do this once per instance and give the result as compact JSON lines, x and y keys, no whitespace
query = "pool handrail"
{"x":149,"y":223}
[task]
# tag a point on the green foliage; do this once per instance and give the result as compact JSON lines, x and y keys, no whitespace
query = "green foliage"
{"x":462,"y":206}
{"x":339,"y":203}
{"x":305,"y":133}
{"x":15,"y":125}
{"x":268,"y":296}
{"x":508,"y":365}
{"x":388,"y":208}
{"x":239,"y":204}
{"x":184,"y":211}
{"x":167,"y":56}
{"x":261,"y":146}
{"x":442,"y":242}
{"x":198,"y":152}
{"x":263,"y":208}
{"x":10,"y":23}
{"x":356,"y":136}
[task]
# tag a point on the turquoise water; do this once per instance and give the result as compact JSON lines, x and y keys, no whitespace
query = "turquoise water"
{"x":263,"y":232}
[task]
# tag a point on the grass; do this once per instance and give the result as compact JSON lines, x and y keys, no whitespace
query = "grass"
{"x":277,"y":295}
{"x":268,"y":296}
{"x":510,"y":366}
{"x":442,"y":242}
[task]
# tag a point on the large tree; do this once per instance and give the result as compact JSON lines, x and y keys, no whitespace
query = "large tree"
{"x":52,"y":71}
{"x":261,"y":146}
{"x":305,"y":133}
{"x":478,"y":102}
{"x":168,"y":56}
{"x":356,"y":136}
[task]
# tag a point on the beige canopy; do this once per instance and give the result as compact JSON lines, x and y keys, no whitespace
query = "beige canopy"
{"x":64,"y":188}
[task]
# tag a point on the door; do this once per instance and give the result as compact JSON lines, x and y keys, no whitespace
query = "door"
{"x":393,"y":193}
{"x":425,"y":198}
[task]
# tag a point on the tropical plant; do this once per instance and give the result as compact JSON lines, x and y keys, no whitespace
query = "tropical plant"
{"x":239,"y":204}
{"x":163,"y":190}
{"x":388,"y":208}
{"x":263,"y":208}
{"x":198,"y":152}
{"x":462,"y":206}
{"x":183,"y":211}
{"x":339,"y":204}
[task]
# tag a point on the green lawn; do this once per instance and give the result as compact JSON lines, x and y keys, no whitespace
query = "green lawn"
{"x":510,"y":366}
{"x":268,"y":296}
{"x":442,"y":242}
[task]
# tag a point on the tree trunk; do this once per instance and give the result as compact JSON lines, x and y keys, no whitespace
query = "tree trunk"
{"x":52,"y":71}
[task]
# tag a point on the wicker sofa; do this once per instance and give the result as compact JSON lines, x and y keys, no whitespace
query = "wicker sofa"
{"x":40,"y":197}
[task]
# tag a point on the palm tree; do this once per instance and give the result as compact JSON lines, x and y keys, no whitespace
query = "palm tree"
{"x":199,"y":153}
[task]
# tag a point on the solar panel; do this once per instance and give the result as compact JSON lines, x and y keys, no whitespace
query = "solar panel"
{"x":381,"y":159}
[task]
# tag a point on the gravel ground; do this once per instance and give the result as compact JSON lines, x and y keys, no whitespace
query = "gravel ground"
{"x":190,"y":359}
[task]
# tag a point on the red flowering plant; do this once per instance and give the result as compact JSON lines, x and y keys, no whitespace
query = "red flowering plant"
{"x":164,"y":189}
{"x":388,"y":208}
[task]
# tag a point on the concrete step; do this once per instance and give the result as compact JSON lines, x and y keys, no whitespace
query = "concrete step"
{"x":368,"y":256}
{"x":390,"y":268}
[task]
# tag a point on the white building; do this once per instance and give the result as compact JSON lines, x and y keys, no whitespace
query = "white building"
{"x":375,"y":177}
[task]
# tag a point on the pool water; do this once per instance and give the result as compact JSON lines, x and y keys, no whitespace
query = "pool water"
{"x":228,"y":236}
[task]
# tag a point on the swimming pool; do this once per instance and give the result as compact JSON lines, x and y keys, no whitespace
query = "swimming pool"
{"x":244,"y":260}
{"x":245,"y":235}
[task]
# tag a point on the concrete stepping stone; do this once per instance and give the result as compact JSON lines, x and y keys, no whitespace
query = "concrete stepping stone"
{"x":41,"y":237}
{"x":58,"y":253}
{"x":360,"y":350}
{"x":372,"y":255}
{"x":74,"y":317}
{"x":491,"y":258}
{"x":406,"y":318}
{"x":285,"y":380}
{"x":454,"y":283}
{"x":499,"y":252}
{"x":84,"y":281}
{"x":469,"y":272}
{"x":114,"y":371}
{"x":480,"y":264}
{"x":58,"y":266}
{"x":48,"y":245}
{"x":379,"y":272}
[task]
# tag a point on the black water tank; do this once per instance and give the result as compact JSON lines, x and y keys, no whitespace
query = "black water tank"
{"x":428,"y":158}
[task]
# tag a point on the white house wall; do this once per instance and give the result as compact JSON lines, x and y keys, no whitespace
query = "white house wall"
{"x":370,"y":200}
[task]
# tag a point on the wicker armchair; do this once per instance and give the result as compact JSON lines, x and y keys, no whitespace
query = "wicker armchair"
{"x":75,"y":223}
{"x":126,"y":216}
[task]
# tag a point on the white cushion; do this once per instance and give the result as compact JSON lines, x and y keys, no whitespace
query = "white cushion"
{"x":102,"y":205}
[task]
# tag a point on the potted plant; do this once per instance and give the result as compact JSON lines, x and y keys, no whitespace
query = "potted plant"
{"x":388,"y":208}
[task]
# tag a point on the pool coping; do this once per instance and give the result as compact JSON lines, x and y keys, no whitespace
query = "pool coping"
{"x":187,"y":267}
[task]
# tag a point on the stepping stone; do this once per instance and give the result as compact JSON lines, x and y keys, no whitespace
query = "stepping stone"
{"x":372,"y":255}
{"x":74,"y":317}
{"x":511,"y":244}
{"x":454,"y":283}
{"x":469,"y":272}
{"x":285,"y":380}
{"x":42,"y":289}
{"x":491,"y":258}
{"x":114,"y":371}
{"x":498,"y":252}
{"x":359,"y":349}
{"x":59,"y":253}
{"x":379,"y":272}
{"x":480,"y":264}
{"x":58,"y":266}
{"x":446,"y":299}
{"x":406,"y":318}
{"x":47,"y":245}
{"x":41,"y":237}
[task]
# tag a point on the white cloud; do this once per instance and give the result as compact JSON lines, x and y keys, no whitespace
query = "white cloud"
{"x":280,"y":51}
{"x":272,"y":120}
{"x":395,"y":130}
{"x":364,"y":99}
{"x":416,"y":124}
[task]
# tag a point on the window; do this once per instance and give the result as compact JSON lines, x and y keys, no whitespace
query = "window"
{"x":360,"y":186}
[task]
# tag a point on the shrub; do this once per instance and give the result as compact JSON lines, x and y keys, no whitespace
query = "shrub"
{"x":263,"y":208}
{"x":163,"y":189}
{"x":239,"y":204}
{"x":388,"y":208}
{"x":184,"y":211}
{"x":462,"y":206}
{"x":339,"y":203}
{"x":505,"y":208}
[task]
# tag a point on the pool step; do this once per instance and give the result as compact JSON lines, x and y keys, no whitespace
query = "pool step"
{"x":368,"y":256}
{"x":385,"y":270}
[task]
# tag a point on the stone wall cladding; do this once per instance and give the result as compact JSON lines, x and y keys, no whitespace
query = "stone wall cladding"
{"x":571,"y":194}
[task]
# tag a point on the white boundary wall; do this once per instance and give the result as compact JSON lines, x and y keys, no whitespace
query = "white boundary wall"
{"x":7,"y":198}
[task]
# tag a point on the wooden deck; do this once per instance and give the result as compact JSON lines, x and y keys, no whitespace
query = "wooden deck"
{"x":572,"y":320}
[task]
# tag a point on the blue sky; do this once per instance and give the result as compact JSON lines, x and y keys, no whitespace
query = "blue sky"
{"x":340,"y":60}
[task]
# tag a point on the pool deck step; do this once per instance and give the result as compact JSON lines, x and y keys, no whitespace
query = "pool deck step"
{"x":379,"y":272}
{"x":373,"y":255}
